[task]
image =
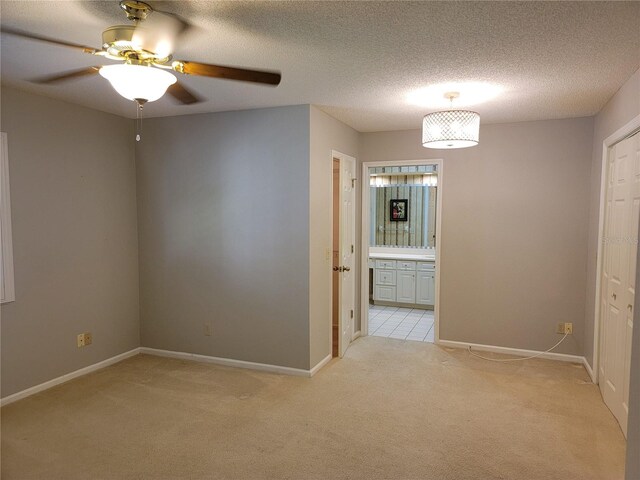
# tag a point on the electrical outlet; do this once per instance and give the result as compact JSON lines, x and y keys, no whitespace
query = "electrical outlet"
{"x":81,"y":340}
{"x":565,"y":328}
{"x":207,"y":329}
{"x":88,"y":339}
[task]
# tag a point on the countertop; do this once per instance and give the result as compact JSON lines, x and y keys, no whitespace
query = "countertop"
{"x":402,"y":256}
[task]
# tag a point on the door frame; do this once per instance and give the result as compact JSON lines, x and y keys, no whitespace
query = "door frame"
{"x":625,"y":131}
{"x":364,"y":254}
{"x":7,"y":286}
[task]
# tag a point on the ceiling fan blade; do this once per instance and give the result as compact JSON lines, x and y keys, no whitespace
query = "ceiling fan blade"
{"x":60,"y":77}
{"x":41,"y":38}
{"x":183,"y":26}
{"x":180,"y":93}
{"x":159,"y":33}
{"x":229,"y":73}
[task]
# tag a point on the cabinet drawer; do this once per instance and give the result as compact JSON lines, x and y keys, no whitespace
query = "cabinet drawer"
{"x":390,"y":264}
{"x":384,"y":293}
{"x":385,"y":277}
{"x":426,"y":266}
{"x":406,"y":265}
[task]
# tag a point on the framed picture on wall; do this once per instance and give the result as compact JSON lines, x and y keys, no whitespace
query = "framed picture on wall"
{"x":398,"y":210}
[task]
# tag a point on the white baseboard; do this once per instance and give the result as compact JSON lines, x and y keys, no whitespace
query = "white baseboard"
{"x":589,"y":370}
{"x":164,"y":353}
{"x":356,"y":335}
{"x":320,"y":364}
{"x":563,"y":357}
{"x":69,"y":376}
{"x":230,"y":362}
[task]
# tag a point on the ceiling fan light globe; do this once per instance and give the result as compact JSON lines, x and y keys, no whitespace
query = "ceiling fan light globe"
{"x":138,"y":82}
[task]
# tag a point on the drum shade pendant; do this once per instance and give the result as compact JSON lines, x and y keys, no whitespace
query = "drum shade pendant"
{"x":451,"y":128}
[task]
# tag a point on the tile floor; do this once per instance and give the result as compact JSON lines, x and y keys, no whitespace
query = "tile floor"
{"x":401,"y":323}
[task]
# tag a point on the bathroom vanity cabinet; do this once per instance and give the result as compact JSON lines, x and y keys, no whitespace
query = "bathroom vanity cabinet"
{"x":404,"y":281}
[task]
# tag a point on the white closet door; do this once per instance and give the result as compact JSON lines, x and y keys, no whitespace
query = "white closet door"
{"x":347,"y":252}
{"x":618,"y":289}
{"x":634,"y":187}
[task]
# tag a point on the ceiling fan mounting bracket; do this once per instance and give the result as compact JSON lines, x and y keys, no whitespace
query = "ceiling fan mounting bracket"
{"x":178,"y":67}
{"x":136,"y":10}
{"x":132,"y":59}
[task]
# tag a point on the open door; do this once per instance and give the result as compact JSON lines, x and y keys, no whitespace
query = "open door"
{"x":346,"y":268}
{"x":622,"y":213}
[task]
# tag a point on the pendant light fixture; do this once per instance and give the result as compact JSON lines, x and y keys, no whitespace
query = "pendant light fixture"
{"x":451,"y":128}
{"x":138,"y":82}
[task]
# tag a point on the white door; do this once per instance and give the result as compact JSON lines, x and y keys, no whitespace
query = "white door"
{"x":622,"y":214}
{"x":347,"y":251}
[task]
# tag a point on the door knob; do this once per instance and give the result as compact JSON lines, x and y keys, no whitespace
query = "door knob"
{"x":630,"y":307}
{"x":614,"y":296}
{"x":337,"y":269}
{"x":346,"y":269}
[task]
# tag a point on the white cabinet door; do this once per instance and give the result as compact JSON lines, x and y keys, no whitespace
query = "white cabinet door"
{"x":406,"y":292}
{"x":426,"y":288}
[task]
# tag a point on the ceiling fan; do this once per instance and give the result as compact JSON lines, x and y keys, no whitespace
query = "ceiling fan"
{"x":145,"y":49}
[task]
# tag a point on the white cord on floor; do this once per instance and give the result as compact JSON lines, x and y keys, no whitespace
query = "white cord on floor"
{"x":517,"y":359}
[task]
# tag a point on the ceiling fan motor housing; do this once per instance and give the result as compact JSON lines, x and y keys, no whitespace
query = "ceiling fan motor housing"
{"x":118,"y":35}
{"x":121,"y":42}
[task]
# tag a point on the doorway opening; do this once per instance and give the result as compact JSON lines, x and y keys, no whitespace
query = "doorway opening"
{"x":401,"y":216}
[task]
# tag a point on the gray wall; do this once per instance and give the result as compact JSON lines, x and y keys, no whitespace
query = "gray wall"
{"x":223,"y":209}
{"x":75,"y":245}
{"x":514,"y":229}
{"x":326,"y":134}
{"x":623,"y":107}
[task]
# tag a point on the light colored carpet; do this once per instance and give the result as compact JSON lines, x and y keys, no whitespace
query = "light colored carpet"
{"x":389,"y":410}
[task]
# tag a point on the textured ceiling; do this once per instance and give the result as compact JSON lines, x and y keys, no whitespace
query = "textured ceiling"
{"x":358,"y":61}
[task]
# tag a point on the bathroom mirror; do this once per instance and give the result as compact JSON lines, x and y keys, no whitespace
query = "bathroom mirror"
{"x":403,"y":206}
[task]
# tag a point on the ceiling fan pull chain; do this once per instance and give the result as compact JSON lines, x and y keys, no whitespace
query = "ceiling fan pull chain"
{"x":137,"y":121}
{"x":139,"y":104}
